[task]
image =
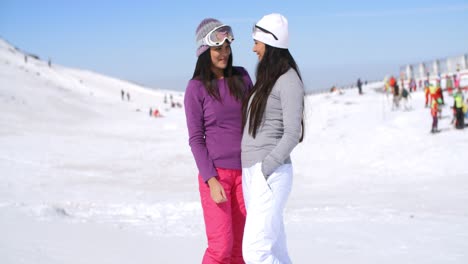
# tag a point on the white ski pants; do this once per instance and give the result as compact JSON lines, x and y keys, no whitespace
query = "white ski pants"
{"x":265,"y":199}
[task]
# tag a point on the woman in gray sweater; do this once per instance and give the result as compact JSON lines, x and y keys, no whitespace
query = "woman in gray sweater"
{"x":272,"y":127}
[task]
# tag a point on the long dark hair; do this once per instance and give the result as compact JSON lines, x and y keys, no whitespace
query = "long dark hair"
{"x":274,"y":63}
{"x":232,"y":76}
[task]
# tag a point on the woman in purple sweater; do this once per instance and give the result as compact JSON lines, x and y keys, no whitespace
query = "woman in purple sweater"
{"x":213,"y":108}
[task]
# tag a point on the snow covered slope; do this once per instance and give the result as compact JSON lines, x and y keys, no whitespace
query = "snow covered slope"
{"x":86,"y":177}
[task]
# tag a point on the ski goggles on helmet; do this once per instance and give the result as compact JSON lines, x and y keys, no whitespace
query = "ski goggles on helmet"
{"x":218,"y":36}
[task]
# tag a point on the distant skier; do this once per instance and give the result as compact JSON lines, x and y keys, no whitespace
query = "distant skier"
{"x":359,"y":85}
{"x":156,"y":113}
{"x":434,"y":112}
{"x":122,"y":94}
{"x":128,"y":96}
{"x":440,"y":94}
{"x":405,"y":98}
{"x":392,"y":83}
{"x":49,"y":63}
{"x":396,"y":97}
{"x":458,"y":106}
{"x":386,"y":86}
{"x":449,"y":84}
{"x":426,"y":92}
{"x":150,"y":111}
{"x":412,"y":85}
{"x":457,"y":78}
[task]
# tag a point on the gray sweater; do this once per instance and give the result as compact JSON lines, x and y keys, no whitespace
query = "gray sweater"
{"x":280,"y":130}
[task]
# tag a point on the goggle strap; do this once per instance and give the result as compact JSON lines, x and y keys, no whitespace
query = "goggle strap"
{"x":266,"y":31}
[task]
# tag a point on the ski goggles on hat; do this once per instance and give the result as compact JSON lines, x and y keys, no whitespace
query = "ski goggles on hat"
{"x":218,"y":35}
{"x":258,"y":28}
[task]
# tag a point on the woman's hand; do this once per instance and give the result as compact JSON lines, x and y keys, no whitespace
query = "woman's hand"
{"x":217,"y":191}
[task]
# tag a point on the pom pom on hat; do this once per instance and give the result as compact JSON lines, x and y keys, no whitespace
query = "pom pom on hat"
{"x":203,"y":29}
{"x":277,"y":24}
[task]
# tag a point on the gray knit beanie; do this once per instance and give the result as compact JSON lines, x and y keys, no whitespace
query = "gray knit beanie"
{"x":203,"y":29}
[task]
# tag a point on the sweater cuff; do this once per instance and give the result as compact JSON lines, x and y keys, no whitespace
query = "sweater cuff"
{"x":269,"y":165}
{"x":208,"y":174}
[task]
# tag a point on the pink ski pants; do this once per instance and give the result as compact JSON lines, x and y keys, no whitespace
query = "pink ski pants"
{"x":224,"y":222}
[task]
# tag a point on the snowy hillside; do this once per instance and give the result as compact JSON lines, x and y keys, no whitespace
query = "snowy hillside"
{"x":87,"y":177}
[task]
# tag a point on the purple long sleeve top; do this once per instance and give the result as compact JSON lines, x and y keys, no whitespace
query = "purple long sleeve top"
{"x":214,"y":127}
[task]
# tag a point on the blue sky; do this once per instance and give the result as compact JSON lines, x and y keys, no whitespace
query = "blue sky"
{"x":152,"y":42}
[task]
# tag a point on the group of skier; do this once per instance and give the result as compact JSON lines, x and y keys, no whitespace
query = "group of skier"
{"x":434,"y":97}
{"x":399,"y":92}
{"x":435,"y":100}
